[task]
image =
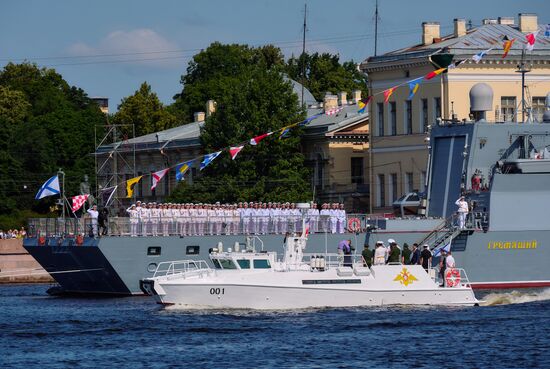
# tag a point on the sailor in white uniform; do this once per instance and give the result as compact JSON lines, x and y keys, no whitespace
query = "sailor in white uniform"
{"x":155,"y":219}
{"x":133,"y":214}
{"x":462,"y":211}
{"x":333,"y":212}
{"x":139,"y":210}
{"x":325,"y":217}
{"x":146,"y":218}
{"x":341,"y":219}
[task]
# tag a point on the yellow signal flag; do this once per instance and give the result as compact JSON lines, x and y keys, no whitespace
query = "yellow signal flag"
{"x":130,"y":186}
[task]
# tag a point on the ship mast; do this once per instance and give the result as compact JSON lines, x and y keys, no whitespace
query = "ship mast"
{"x":522,"y":68}
{"x":304,"y":53}
{"x":376,"y":29}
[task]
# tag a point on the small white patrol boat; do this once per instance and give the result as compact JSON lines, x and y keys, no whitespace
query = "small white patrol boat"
{"x":258,"y":280}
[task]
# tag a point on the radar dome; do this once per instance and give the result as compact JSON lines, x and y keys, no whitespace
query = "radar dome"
{"x":481,"y":97}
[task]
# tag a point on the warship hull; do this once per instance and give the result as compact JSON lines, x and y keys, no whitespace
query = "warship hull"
{"x":115,"y":265}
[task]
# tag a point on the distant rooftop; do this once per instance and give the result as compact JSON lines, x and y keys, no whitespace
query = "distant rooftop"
{"x":468,"y":44}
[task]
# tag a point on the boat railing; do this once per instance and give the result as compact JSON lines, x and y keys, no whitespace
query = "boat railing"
{"x":194,"y":226}
{"x":333,"y":260}
{"x":182,"y":268}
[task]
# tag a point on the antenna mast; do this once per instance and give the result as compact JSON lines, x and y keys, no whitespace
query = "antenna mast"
{"x":376,"y":29}
{"x":523,"y":69}
{"x":304,"y":52}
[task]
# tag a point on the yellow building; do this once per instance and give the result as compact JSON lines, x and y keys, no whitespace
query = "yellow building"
{"x":400,"y":126}
{"x":336,"y":148}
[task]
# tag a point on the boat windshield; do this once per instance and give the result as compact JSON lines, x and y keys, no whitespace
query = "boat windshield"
{"x":262,"y":264}
{"x":227,"y":263}
{"x":244,"y":263}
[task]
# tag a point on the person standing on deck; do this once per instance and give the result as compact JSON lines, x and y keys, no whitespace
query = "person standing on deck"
{"x":426,"y":257}
{"x":462,"y":211}
{"x":406,"y":254}
{"x":380,"y":253}
{"x":415,"y":255}
{"x":367,"y":256}
{"x":94,"y":214}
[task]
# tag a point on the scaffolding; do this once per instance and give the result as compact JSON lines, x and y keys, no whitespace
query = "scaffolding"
{"x":115,"y":159}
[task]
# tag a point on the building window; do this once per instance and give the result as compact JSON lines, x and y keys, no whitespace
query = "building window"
{"x":437,"y":108}
{"x":408,"y":117}
{"x":424,"y":115}
{"x":538,"y":107}
{"x":380,"y":119}
{"x":393,"y":118}
{"x":508,"y":108}
{"x":357,"y":173}
{"x":381,"y":190}
{"x":423,"y":181}
{"x":319,"y":170}
{"x":393,"y":178}
{"x":409,"y":182}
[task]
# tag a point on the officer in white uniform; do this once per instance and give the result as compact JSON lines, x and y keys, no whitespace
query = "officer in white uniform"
{"x":462,"y":211}
{"x":380,"y":254}
{"x":155,"y":219}
{"x":132,"y":213}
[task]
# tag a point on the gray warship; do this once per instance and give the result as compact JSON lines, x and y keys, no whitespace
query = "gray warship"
{"x":502,"y":169}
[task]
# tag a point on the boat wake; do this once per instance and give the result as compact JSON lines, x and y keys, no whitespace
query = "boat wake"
{"x":515,"y":297}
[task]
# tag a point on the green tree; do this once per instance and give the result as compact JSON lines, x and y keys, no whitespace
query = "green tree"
{"x":145,"y":111}
{"x":252,"y":98}
{"x":324,"y":72}
{"x":45,"y":124}
{"x":210,"y":73}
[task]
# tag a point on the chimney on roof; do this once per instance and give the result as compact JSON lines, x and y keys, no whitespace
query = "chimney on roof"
{"x":528,"y":22}
{"x":510,"y":21}
{"x":460,"y":27}
{"x":489,"y":21}
{"x":199,"y":116}
{"x":356,"y":96}
{"x":342,"y":98}
{"x":330,"y":102}
{"x":430,"y":30}
{"x":210,"y":107}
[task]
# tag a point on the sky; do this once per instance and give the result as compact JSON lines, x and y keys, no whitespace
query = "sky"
{"x":109,"y":47}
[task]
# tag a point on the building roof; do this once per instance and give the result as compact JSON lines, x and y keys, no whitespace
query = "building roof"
{"x":325,"y":124}
{"x":475,"y":40}
{"x":177,"y":137}
{"x":188,"y":135}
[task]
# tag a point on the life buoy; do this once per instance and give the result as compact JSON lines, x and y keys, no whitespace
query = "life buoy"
{"x":41,"y":240}
{"x":79,"y":240}
{"x":354,"y":225}
{"x":452,"y":277}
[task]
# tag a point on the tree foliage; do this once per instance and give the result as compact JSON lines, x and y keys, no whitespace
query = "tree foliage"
{"x":324,"y":73}
{"x":144,"y":110}
{"x":45,"y":124}
{"x":252,"y":98}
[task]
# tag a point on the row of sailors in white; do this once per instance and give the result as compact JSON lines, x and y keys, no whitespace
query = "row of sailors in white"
{"x":249,"y":218}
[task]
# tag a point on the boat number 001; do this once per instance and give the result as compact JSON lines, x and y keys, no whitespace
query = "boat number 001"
{"x":217,"y":291}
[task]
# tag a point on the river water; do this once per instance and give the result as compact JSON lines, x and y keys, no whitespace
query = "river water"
{"x":38,"y":331}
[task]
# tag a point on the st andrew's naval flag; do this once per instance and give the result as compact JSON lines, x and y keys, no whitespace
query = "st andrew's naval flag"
{"x":50,"y":188}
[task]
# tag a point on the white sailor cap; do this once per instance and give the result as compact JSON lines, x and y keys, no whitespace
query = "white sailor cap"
{"x":391,"y":240}
{"x":379,"y":242}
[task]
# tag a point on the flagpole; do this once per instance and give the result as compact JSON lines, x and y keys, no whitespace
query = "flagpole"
{"x":61,"y":173}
